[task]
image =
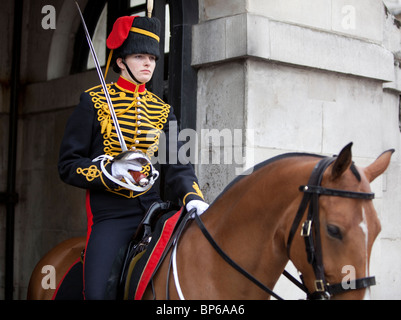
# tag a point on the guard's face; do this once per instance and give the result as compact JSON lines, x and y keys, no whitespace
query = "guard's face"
{"x":141,"y":65}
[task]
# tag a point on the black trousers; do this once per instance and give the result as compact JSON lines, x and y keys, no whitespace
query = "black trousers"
{"x":112,"y":221}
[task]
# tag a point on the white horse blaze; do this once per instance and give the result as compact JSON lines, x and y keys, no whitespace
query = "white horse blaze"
{"x":364,"y":226}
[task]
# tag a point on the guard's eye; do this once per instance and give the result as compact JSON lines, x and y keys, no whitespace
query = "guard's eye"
{"x":334,"y":232}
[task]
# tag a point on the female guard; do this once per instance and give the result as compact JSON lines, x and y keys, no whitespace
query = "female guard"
{"x":114,"y":211}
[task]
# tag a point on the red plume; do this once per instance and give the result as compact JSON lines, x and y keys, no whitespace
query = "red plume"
{"x":119,"y":32}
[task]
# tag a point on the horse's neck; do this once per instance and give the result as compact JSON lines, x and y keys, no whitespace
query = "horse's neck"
{"x":250,"y":222}
{"x":262,"y":197}
{"x":258,"y":209}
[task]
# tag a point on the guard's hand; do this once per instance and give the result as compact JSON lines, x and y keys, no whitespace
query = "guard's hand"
{"x":199,"y":205}
{"x":120,"y":169}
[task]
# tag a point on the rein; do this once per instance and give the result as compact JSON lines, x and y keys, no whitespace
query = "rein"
{"x":311,"y":232}
{"x":230,"y":261}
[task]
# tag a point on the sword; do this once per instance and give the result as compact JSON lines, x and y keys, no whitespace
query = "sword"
{"x":103,"y":82}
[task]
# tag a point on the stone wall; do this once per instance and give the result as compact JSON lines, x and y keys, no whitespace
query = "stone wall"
{"x":307,"y":76}
{"x":48,"y":211}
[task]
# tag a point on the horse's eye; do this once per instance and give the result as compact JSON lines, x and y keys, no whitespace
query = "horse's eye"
{"x":334,"y":232}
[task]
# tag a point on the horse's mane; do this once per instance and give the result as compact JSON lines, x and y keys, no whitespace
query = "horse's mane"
{"x":274,"y":159}
{"x":263,"y":164}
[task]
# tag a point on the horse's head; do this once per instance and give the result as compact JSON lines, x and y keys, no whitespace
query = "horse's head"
{"x":343,"y":232}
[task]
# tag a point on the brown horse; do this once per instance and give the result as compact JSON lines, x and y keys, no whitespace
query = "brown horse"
{"x":61,"y":257}
{"x":256,"y":221}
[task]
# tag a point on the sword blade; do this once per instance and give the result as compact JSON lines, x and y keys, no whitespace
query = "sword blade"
{"x":103,"y":83}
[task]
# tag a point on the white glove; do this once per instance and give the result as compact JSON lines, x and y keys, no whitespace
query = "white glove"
{"x":120,"y":169}
{"x":199,"y":205}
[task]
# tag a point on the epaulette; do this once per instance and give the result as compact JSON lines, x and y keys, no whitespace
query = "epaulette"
{"x":95,"y":88}
{"x":159,"y":100}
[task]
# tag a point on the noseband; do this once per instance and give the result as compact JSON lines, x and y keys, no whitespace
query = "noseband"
{"x":310,"y":231}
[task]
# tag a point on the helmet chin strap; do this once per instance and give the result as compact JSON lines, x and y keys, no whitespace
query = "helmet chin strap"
{"x":130,"y":73}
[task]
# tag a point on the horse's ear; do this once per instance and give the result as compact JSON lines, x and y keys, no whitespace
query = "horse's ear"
{"x":342,"y":163}
{"x":379,"y":165}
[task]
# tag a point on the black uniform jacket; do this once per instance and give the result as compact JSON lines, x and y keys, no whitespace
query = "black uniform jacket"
{"x":143,"y":117}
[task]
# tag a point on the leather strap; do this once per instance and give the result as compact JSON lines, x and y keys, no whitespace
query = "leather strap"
{"x":130,"y":73}
{"x":353,"y":285}
{"x":230,"y":261}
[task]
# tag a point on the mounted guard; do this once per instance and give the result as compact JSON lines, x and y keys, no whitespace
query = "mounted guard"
{"x":315,"y":211}
{"x":110,"y":141}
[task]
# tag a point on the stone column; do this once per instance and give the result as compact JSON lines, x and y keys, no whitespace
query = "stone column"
{"x":309,"y":76}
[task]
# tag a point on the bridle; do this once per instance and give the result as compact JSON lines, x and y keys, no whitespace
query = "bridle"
{"x":310,"y":231}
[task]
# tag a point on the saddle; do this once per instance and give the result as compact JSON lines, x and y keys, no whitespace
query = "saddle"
{"x":139,"y":260}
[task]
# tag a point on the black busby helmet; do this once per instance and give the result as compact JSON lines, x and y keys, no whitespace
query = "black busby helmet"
{"x":133,"y":34}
